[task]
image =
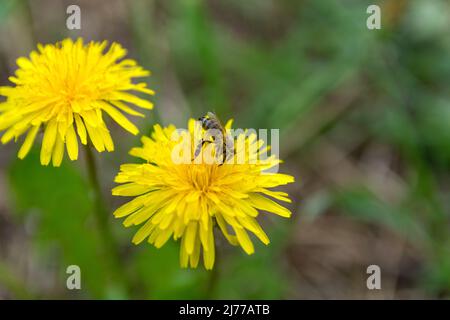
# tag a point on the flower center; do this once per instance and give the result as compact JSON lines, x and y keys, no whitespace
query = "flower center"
{"x":201,"y":176}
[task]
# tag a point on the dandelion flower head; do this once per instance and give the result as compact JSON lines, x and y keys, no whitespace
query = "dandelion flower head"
{"x":63,"y":90}
{"x":186,"y":201}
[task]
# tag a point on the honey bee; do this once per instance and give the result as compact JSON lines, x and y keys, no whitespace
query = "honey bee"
{"x":224,"y":143}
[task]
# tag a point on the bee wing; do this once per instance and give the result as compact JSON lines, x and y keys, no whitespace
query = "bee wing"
{"x":212,"y":116}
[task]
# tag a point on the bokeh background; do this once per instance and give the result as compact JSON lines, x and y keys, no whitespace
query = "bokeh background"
{"x":365,"y":129}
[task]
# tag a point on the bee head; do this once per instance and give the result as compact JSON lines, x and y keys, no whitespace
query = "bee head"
{"x":205,"y":118}
{"x":209,"y":121}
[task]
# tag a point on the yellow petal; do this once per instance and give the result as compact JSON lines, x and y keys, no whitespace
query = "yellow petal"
{"x":195,"y":256}
{"x":130,"y":190}
{"x":72,"y":143}
{"x":58,"y":151}
{"x":262,"y":203}
{"x":96,"y":138}
{"x":120,"y":118}
{"x":48,"y":142}
{"x":132,"y":99}
{"x":109,"y":144}
{"x":140,"y":216}
{"x":229,"y":124}
{"x":129,"y":207}
{"x":77,"y":106}
{"x":209,"y":255}
{"x":81,"y":129}
{"x":166,"y":221}
{"x":252,"y":225}
{"x":90,"y":118}
{"x":223,"y":227}
{"x":122,"y":106}
{"x":204,"y":236}
{"x":9,"y":135}
{"x":244,"y":240}
{"x":8,"y":119}
{"x":162,"y":238}
{"x":29,"y":140}
{"x":190,"y":235}
{"x":184,"y":256}
{"x":24,"y":63}
{"x":282,"y":196}
{"x":143,"y":232}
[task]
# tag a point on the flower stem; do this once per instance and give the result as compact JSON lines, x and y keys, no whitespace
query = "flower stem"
{"x":109,"y":243}
{"x":214,"y":275}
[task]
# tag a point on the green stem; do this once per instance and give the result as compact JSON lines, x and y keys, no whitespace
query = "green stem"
{"x":101,"y":213}
{"x":214,"y":276}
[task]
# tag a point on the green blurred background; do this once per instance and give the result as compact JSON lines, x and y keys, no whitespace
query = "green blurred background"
{"x":365,"y":129}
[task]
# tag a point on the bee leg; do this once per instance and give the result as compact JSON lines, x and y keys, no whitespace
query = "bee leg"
{"x":220,"y":154}
{"x":199,"y":147}
{"x":226,"y":156}
{"x":228,"y":150}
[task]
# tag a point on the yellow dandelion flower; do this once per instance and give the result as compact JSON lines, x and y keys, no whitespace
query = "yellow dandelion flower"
{"x":185,"y":201}
{"x":63,"y":89}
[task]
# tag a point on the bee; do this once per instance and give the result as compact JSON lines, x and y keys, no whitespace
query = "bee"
{"x":224,"y":143}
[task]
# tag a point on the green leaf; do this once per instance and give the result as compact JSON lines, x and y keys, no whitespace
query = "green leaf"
{"x":58,"y":198}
